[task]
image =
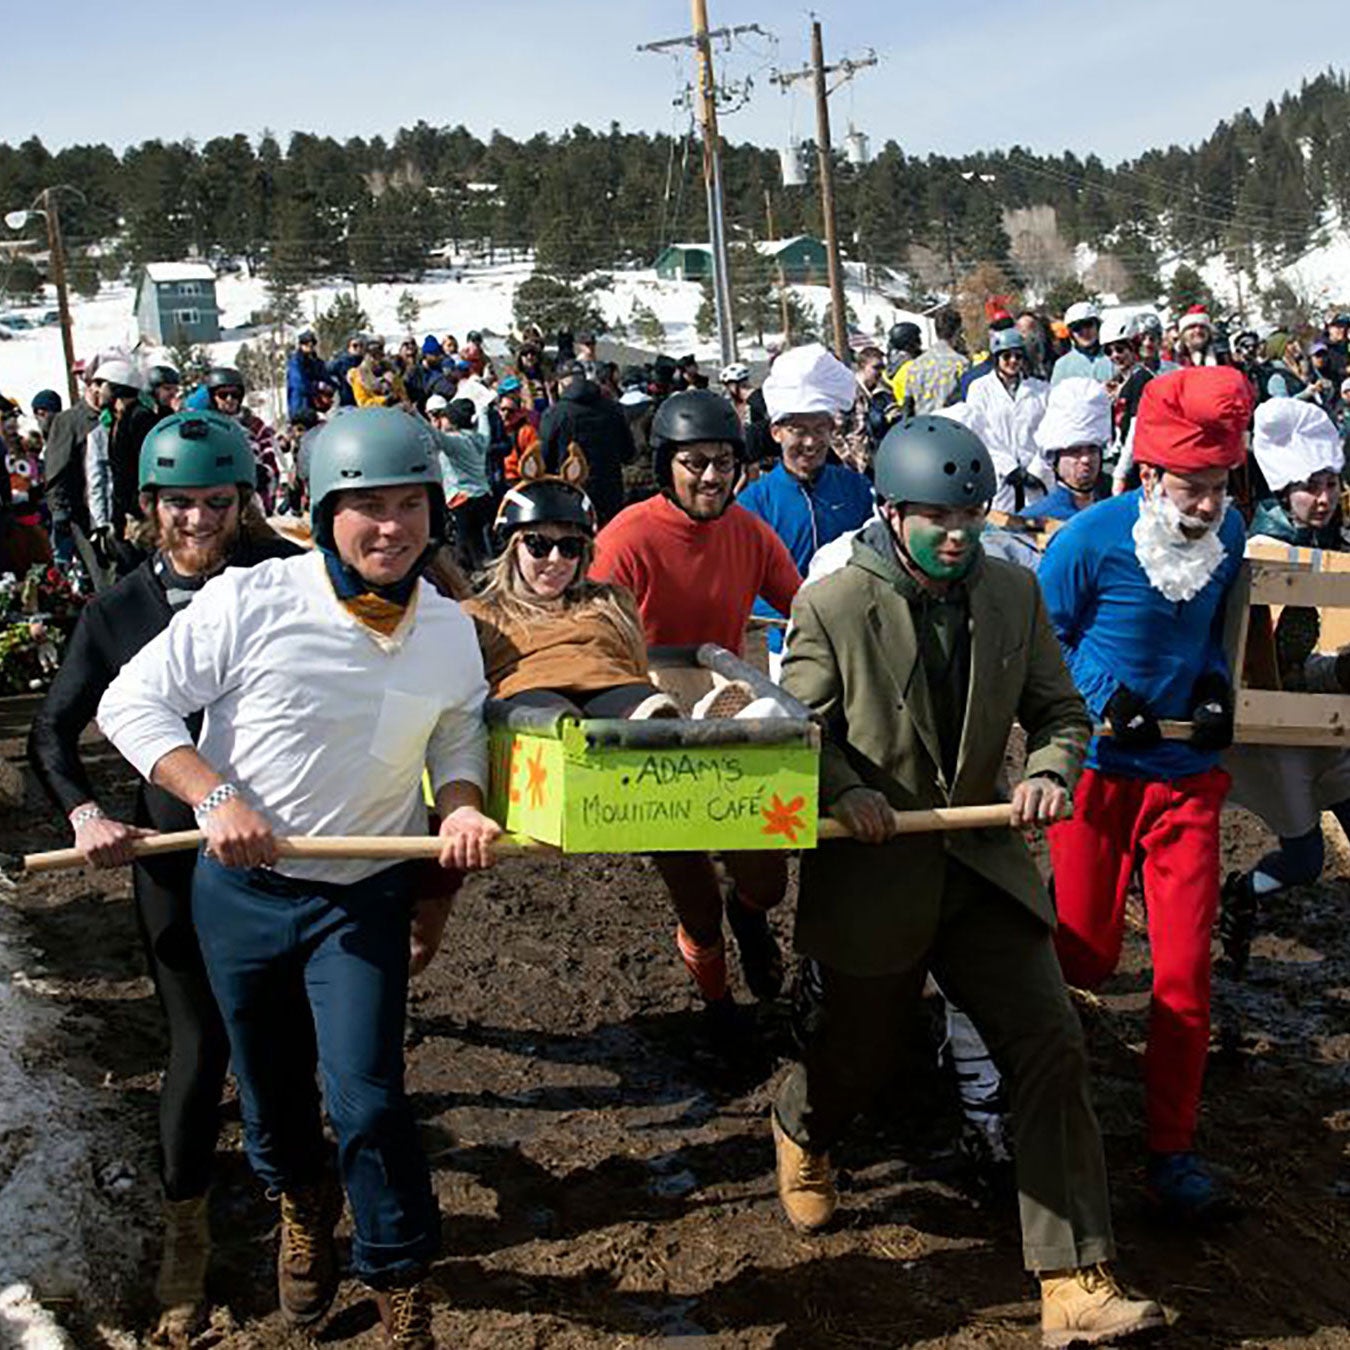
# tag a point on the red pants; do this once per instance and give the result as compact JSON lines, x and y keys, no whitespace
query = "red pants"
{"x":1171,"y":830}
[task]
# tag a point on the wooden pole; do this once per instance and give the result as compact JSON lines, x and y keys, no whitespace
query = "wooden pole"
{"x":712,"y":181}
{"x":826,"y":155}
{"x":785,"y":308}
{"x":56,"y":247}
{"x":993,"y":816}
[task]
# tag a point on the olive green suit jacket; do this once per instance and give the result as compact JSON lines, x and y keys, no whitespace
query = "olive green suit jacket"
{"x":853,"y":657}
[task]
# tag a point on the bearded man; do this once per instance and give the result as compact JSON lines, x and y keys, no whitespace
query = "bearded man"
{"x":1136,"y":589}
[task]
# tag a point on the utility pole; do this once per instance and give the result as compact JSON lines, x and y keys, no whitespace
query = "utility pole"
{"x":701,"y":41}
{"x":57,"y":249}
{"x":817,"y":72}
{"x":782,"y":280}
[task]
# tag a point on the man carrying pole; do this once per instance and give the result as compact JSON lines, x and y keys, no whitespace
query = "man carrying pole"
{"x":1137,"y":589}
{"x":917,"y":656}
{"x":327,"y":683}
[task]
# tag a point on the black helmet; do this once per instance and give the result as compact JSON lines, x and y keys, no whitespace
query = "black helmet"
{"x":160,"y":375}
{"x":224,"y":377}
{"x":934,"y":461}
{"x":546,"y":500}
{"x":692,"y":415}
{"x":47,"y":400}
{"x":905,"y":337}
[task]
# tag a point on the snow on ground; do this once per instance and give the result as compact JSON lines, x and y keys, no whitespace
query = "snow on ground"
{"x":64,"y":1189}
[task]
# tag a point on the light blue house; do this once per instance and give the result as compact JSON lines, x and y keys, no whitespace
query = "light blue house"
{"x":176,"y":304}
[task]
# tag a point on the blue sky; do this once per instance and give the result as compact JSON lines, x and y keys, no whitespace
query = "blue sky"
{"x":1113,"y":79}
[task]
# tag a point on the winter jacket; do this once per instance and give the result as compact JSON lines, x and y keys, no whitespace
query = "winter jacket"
{"x":303,"y":372}
{"x":806,"y":516}
{"x":932,"y":378}
{"x":372,"y":390}
{"x":464,"y":471}
{"x":63,"y":463}
{"x":1094,"y":366}
{"x":522,"y":437}
{"x":597,"y":424}
{"x":576,"y":648}
{"x":420,"y":383}
{"x":1117,"y":629}
{"x":857,"y":659}
{"x":338,"y":370}
{"x":1011,"y":420}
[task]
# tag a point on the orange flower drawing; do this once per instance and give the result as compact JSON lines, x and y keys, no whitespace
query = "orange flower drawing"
{"x":538,"y":777}
{"x":784,"y":820}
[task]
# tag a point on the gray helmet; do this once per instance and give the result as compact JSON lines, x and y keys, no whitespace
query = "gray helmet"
{"x":1006,"y":340}
{"x":368,"y":448}
{"x":934,"y":461}
{"x":196,"y":449}
{"x":224,"y":377}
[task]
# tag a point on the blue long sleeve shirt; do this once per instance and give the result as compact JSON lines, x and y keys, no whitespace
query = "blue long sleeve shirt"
{"x":806,"y":516}
{"x":1117,"y":629}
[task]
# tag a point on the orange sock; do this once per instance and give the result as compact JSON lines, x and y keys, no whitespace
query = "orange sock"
{"x":708,"y":965}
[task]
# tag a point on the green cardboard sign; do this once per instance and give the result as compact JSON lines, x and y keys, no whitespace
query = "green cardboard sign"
{"x":624,"y":799}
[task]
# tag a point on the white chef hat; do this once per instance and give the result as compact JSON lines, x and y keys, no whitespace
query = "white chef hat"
{"x":808,"y":380}
{"x":969,"y":416}
{"x":1293,"y":440}
{"x":1078,"y":412}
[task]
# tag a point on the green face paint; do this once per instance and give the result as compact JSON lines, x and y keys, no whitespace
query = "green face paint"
{"x":924,"y":541}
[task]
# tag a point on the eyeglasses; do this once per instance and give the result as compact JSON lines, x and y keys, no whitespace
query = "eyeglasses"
{"x":570,"y":546}
{"x":180,"y":506}
{"x":698,"y":465}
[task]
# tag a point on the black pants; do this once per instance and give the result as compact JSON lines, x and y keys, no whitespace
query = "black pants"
{"x":199,"y":1054}
{"x":473,"y":532}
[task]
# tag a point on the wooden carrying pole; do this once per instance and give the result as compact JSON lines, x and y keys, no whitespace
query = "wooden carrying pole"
{"x":995,"y":816}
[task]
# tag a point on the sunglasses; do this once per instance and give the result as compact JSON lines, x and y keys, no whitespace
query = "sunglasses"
{"x":182,"y":505}
{"x":1117,"y":348}
{"x":570,"y":546}
{"x":698,"y":465}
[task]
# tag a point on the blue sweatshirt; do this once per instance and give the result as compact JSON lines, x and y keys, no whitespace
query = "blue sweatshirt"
{"x":806,"y":517}
{"x":1115,"y":629}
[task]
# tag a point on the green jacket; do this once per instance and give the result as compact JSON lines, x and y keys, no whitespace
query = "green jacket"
{"x":853,"y":657}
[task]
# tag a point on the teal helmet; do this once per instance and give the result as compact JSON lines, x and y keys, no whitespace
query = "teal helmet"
{"x":934,"y":461}
{"x":196,"y":449}
{"x":1006,"y":340}
{"x":372,"y":448}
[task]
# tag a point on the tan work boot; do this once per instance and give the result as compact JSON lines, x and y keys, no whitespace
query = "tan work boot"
{"x":307,"y":1260}
{"x":805,"y":1186}
{"x":180,"y":1287}
{"x":1087,"y":1307}
{"x":405,"y":1312}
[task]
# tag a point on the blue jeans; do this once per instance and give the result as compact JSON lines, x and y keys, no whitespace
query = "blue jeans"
{"x":262,"y":935}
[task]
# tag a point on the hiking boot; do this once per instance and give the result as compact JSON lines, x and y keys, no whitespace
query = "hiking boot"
{"x":307,"y":1260}
{"x":180,"y":1288}
{"x":405,"y":1312}
{"x":805,"y":1186}
{"x":1181,"y":1186}
{"x":1297,"y":634}
{"x":1237,"y":921}
{"x":761,"y":961}
{"x":1088,"y":1307}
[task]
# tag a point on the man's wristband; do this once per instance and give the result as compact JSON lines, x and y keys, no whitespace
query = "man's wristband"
{"x":85,"y":814}
{"x":217,"y":797}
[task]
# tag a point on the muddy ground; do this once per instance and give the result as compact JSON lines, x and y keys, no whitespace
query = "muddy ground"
{"x":605,"y":1174}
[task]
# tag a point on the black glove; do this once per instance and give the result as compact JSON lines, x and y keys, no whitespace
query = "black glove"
{"x":1133,"y":725}
{"x":1212,"y":713}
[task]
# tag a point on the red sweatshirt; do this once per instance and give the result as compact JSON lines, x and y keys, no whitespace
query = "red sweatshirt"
{"x":695,"y":581}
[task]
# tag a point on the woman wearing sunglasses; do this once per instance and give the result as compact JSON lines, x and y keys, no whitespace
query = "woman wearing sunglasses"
{"x":550,"y":637}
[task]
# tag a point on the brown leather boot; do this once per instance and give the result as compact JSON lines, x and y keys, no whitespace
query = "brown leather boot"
{"x":307,"y":1259}
{"x":805,"y":1186}
{"x":1088,"y":1307}
{"x":180,"y":1288}
{"x":405,"y":1311}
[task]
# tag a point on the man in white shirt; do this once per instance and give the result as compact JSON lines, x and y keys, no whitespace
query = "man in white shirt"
{"x":1012,"y":403}
{"x":328,"y":682}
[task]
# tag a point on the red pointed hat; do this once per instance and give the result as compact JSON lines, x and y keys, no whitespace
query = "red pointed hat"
{"x":1193,"y":419}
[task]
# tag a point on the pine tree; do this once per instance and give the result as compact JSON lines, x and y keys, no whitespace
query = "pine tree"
{"x":338,"y":322}
{"x":1187,"y":288}
{"x":646,"y":326}
{"x":408,"y":312}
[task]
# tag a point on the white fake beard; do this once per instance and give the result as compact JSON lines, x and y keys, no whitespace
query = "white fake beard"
{"x":1177,"y":566}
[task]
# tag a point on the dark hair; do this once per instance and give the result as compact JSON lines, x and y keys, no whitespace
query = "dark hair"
{"x":947,"y":324}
